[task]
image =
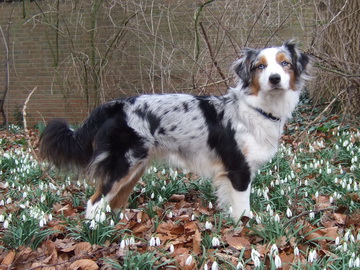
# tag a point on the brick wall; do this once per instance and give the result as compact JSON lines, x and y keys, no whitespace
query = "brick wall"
{"x":79,"y":54}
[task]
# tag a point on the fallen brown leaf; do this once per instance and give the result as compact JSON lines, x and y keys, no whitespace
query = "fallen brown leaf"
{"x":84,"y":264}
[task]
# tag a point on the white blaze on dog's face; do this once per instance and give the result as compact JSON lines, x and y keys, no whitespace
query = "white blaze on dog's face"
{"x":273,"y":72}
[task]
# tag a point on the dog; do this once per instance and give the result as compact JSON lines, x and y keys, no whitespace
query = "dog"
{"x":226,"y":138}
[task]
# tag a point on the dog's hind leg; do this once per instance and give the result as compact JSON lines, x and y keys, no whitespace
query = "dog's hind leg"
{"x":115,"y":193}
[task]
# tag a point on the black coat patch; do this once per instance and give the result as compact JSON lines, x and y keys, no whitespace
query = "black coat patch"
{"x":222,"y":140}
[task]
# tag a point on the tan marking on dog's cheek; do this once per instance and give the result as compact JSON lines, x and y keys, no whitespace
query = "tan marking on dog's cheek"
{"x":255,"y":85}
{"x":281,"y":57}
{"x":96,"y":195}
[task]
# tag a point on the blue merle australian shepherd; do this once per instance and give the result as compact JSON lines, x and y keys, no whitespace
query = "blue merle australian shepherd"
{"x":226,"y":138}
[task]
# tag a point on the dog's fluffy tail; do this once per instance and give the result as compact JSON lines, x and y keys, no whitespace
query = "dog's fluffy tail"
{"x":64,"y":147}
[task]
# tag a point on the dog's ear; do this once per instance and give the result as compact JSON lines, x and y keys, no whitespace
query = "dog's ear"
{"x":243,"y":66}
{"x":300,"y":61}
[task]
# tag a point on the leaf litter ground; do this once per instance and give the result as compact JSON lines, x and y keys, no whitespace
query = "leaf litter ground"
{"x":305,"y":204}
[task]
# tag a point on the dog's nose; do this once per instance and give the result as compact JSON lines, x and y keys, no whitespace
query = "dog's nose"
{"x":274,"y":78}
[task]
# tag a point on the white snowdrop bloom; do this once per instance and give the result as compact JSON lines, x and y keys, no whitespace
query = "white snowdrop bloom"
{"x":344,"y":247}
{"x":214,"y":266}
{"x":357,"y":262}
{"x":306,"y":182}
{"x":277,"y":261}
{"x":311,"y":215}
{"x":157,"y":241}
{"x":254,"y":254}
{"x":230,"y":210}
{"x":6,"y":224}
{"x":132,"y":241}
{"x":152,"y":195}
{"x":189,"y":260}
{"x":268,"y":208}
{"x":2,"y":218}
{"x":251,"y":215}
{"x":192,"y":217}
{"x":112,"y":223}
{"x":215,"y":242}
{"x":206,"y":267}
{"x":50,"y":217}
{"x":208,"y":225}
{"x":346,"y":236}
{"x":331,"y":199}
{"x":170,"y":214}
{"x":9,"y":201}
{"x":108,"y":208}
{"x":210,"y":205}
{"x":257,"y":262}
{"x":274,"y":250}
{"x":296,"y":251}
{"x":258,"y":219}
{"x":351,"y":263}
{"x":288,"y":212}
{"x":240,"y":266}
{"x":337,"y":240}
{"x":171,"y":248}
{"x":277,"y":218}
{"x":352,"y":238}
{"x":155,"y":169}
{"x":2,"y":203}
{"x":152,"y":242}
{"x":122,"y":244}
{"x":93,"y":224}
{"x":312,"y":256}
{"x":163,"y":172}
{"x":160,"y":199}
{"x":41,"y":223}
{"x":22,"y":206}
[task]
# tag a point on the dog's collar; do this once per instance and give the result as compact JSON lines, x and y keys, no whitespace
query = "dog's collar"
{"x":267,"y":115}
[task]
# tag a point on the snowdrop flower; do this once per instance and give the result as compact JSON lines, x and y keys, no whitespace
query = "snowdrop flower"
{"x":152,"y":242}
{"x":2,"y":203}
{"x":357,"y":262}
{"x":192,"y":217}
{"x":171,"y":248}
{"x":215,"y":242}
{"x":157,"y":241}
{"x":112,"y":223}
{"x":214,"y":266}
{"x":296,"y":251}
{"x":344,"y":247}
{"x":170,"y":214}
{"x":288,"y":213}
{"x":206,"y":267}
{"x":230,"y":210}
{"x":276,"y":218}
{"x":240,"y":266}
{"x":277,"y":261}
{"x":188,"y":260}
{"x":152,"y":195}
{"x":208,"y":225}
{"x":337,"y":240}
{"x":122,"y":244}
{"x":251,"y":215}
{"x":121,"y":215}
{"x":312,"y":256}
{"x":108,"y":208}
{"x":274,"y":250}
{"x":346,"y":236}
{"x":93,"y":224}
{"x":8,"y":201}
{"x":2,"y":218}
{"x":311,"y":215}
{"x":254,"y":254}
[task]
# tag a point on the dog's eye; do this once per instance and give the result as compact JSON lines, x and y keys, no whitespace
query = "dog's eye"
{"x":261,"y":66}
{"x":285,"y":63}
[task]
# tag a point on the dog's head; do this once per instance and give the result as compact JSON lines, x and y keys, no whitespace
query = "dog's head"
{"x":272,"y":70}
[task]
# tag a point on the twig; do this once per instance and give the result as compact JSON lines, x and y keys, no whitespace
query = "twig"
{"x":306,"y":213}
{"x":27,"y":136}
{"x":212,"y":56}
{"x":320,"y":115}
